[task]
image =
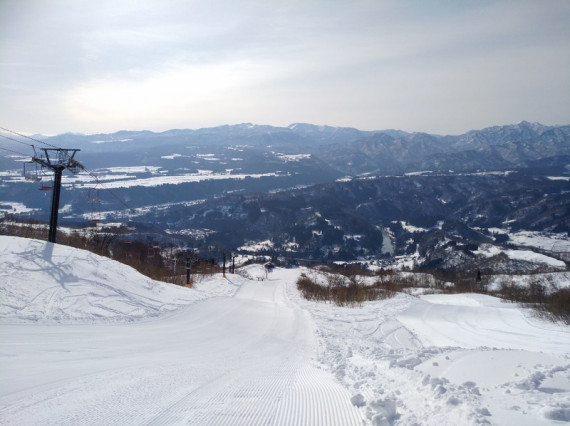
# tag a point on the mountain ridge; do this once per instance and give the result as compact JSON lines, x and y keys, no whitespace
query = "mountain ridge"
{"x":212,"y":179}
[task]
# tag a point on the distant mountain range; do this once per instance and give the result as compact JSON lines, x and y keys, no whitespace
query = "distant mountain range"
{"x":352,"y":151}
{"x":313,"y":186}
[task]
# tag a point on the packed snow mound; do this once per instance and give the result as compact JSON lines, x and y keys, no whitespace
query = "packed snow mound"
{"x":473,"y":321}
{"x":41,"y":281}
{"x":446,"y":359}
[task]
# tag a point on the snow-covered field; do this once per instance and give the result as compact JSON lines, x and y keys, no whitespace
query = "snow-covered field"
{"x":125,"y":177}
{"x":488,"y":250}
{"x":85,"y":340}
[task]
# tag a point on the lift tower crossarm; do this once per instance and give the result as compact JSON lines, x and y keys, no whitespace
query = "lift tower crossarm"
{"x":60,"y":158}
{"x":57,"y":159}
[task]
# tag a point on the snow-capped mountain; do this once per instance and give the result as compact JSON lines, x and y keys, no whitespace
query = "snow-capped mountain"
{"x":254,"y":182}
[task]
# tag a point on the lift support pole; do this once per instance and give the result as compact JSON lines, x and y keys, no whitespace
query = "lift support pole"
{"x":55,"y":203}
{"x":59,"y":160}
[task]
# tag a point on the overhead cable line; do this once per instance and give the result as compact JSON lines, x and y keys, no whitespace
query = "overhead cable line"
{"x":118,"y":198}
{"x":15,"y":140}
{"x":15,"y":152}
{"x":90,"y":173}
{"x":102,"y":185}
{"x":28,"y":137}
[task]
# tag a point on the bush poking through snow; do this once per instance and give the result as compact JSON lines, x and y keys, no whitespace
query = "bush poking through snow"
{"x":550,"y":302}
{"x":350,"y":292}
{"x":557,"y":306}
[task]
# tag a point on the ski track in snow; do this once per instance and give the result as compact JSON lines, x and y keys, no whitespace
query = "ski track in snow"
{"x":85,"y":340}
{"x":446,"y":360}
{"x":242,"y":358}
{"x":246,"y":377}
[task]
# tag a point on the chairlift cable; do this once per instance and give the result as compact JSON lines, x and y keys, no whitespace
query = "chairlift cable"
{"x":15,"y":140}
{"x":15,"y":152}
{"x":73,"y":166}
{"x":31,"y":171}
{"x":94,"y":201}
{"x":102,"y":185}
{"x":28,"y":137}
{"x":64,"y":151}
{"x":55,"y":147}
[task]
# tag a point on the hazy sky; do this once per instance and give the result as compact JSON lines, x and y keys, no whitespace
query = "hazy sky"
{"x":444,"y":66}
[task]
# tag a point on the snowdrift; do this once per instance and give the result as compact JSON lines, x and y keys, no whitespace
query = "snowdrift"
{"x":447,"y":359}
{"x":41,"y":281}
{"x":75,"y":351}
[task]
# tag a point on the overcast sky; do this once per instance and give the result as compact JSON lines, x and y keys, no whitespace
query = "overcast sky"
{"x":444,"y":66}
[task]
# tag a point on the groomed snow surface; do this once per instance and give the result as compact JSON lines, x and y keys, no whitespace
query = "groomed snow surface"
{"x":85,"y":340}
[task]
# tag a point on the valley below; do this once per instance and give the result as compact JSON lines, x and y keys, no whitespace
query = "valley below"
{"x":306,"y":193}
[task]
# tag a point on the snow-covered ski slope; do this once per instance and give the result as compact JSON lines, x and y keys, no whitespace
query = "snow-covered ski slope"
{"x":242,"y":360}
{"x":85,"y":340}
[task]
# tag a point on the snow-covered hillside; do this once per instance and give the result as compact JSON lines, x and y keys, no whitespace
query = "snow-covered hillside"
{"x":86,"y":340}
{"x":447,"y":360}
{"x":52,"y":282}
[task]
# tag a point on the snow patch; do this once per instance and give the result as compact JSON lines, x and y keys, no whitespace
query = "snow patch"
{"x":525,"y":255}
{"x":60,"y":283}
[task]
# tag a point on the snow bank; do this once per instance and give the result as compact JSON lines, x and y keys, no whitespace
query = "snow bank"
{"x":41,"y":281}
{"x":551,"y":281}
{"x":463,"y":359}
{"x":260,"y":354}
{"x":241,"y":360}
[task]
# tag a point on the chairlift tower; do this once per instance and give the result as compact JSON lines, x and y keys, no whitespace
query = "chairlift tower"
{"x":57,"y":159}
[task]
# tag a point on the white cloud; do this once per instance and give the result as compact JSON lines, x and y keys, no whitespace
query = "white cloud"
{"x":432,"y":66}
{"x":175,"y":94}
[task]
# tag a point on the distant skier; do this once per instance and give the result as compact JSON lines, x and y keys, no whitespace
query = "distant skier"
{"x":268,"y":268}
